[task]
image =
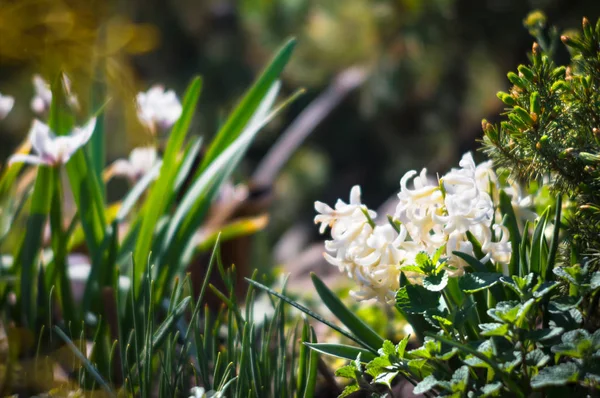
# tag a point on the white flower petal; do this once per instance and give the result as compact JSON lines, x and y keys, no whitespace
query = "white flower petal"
{"x":28,"y":159}
{"x":40,"y":137}
{"x":6,"y":104}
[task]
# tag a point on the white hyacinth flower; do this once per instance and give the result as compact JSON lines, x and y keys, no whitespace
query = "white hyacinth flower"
{"x":141,"y":160}
{"x":448,"y":213}
{"x":328,"y":217}
{"x":51,"y":150}
{"x":157,"y":108}
{"x":6,"y":104}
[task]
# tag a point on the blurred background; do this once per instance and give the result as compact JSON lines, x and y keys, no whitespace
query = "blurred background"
{"x":391,"y":85}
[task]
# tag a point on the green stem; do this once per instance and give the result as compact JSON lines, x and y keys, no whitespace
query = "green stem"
{"x":59,"y":249}
{"x":28,"y":252}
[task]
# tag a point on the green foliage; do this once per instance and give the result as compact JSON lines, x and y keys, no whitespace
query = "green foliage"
{"x":550,"y":128}
{"x":139,"y":328}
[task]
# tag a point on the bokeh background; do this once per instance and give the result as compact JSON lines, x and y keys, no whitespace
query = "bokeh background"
{"x":426,"y":73}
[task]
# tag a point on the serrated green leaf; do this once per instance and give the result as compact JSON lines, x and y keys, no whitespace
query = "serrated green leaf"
{"x":347,"y":371}
{"x":415,"y":299}
{"x":387,"y":348}
{"x":426,"y":385}
{"x":493,"y":329}
{"x":491,"y":389}
{"x":558,"y":375}
{"x":386,"y":378}
{"x":349,"y":389}
{"x":437,"y":282}
{"x":401,"y":347}
{"x":505,"y":311}
{"x":536,"y":358}
{"x":545,"y":334}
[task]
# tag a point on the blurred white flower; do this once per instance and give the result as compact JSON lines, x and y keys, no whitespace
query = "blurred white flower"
{"x":40,"y":104}
{"x":52,"y":150}
{"x":200,"y":392}
{"x":141,"y":160}
{"x":6,"y":104}
{"x":157,"y":108}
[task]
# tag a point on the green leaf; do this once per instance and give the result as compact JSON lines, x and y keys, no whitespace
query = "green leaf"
{"x":505,"y":311}
{"x":245,"y":110}
{"x":412,"y":268}
{"x":426,"y":385}
{"x":477,"y":265}
{"x":510,"y":222}
{"x":310,"y":313}
{"x":347,"y":317}
{"x":558,"y":375}
{"x":349,"y":389}
{"x":86,"y":363}
{"x":422,"y":260}
{"x":436,"y":283}
{"x":159,"y":196}
{"x":342,"y":351}
{"x":386,"y":378}
{"x":537,"y":358}
{"x":478,"y":281}
{"x":387,"y":348}
{"x":547,"y":273}
{"x":494,"y":329}
{"x":491,"y":389}
{"x":514,"y":387}
{"x":595,"y":280}
{"x":195,"y":203}
{"x":460,"y":379}
{"x":28,"y":252}
{"x":415,"y":299}
{"x":537,"y":262}
{"x":401,"y":347}
{"x":545,"y":334}
{"x":136,"y":192}
{"x":347,"y":371}
{"x":378,"y":365}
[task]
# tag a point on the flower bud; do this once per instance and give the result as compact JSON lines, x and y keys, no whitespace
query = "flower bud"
{"x":587,"y":27}
{"x":523,"y":115}
{"x":506,"y":98}
{"x":516,"y":80}
{"x":534,"y":103}
{"x":559,"y":85}
{"x":559,"y":72}
{"x":526,"y":72}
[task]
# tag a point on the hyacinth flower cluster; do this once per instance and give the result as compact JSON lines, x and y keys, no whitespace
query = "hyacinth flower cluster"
{"x":446,"y":214}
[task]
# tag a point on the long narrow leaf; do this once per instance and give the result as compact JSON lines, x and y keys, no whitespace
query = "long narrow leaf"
{"x":248,"y":106}
{"x":312,"y":314}
{"x":347,"y":317}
